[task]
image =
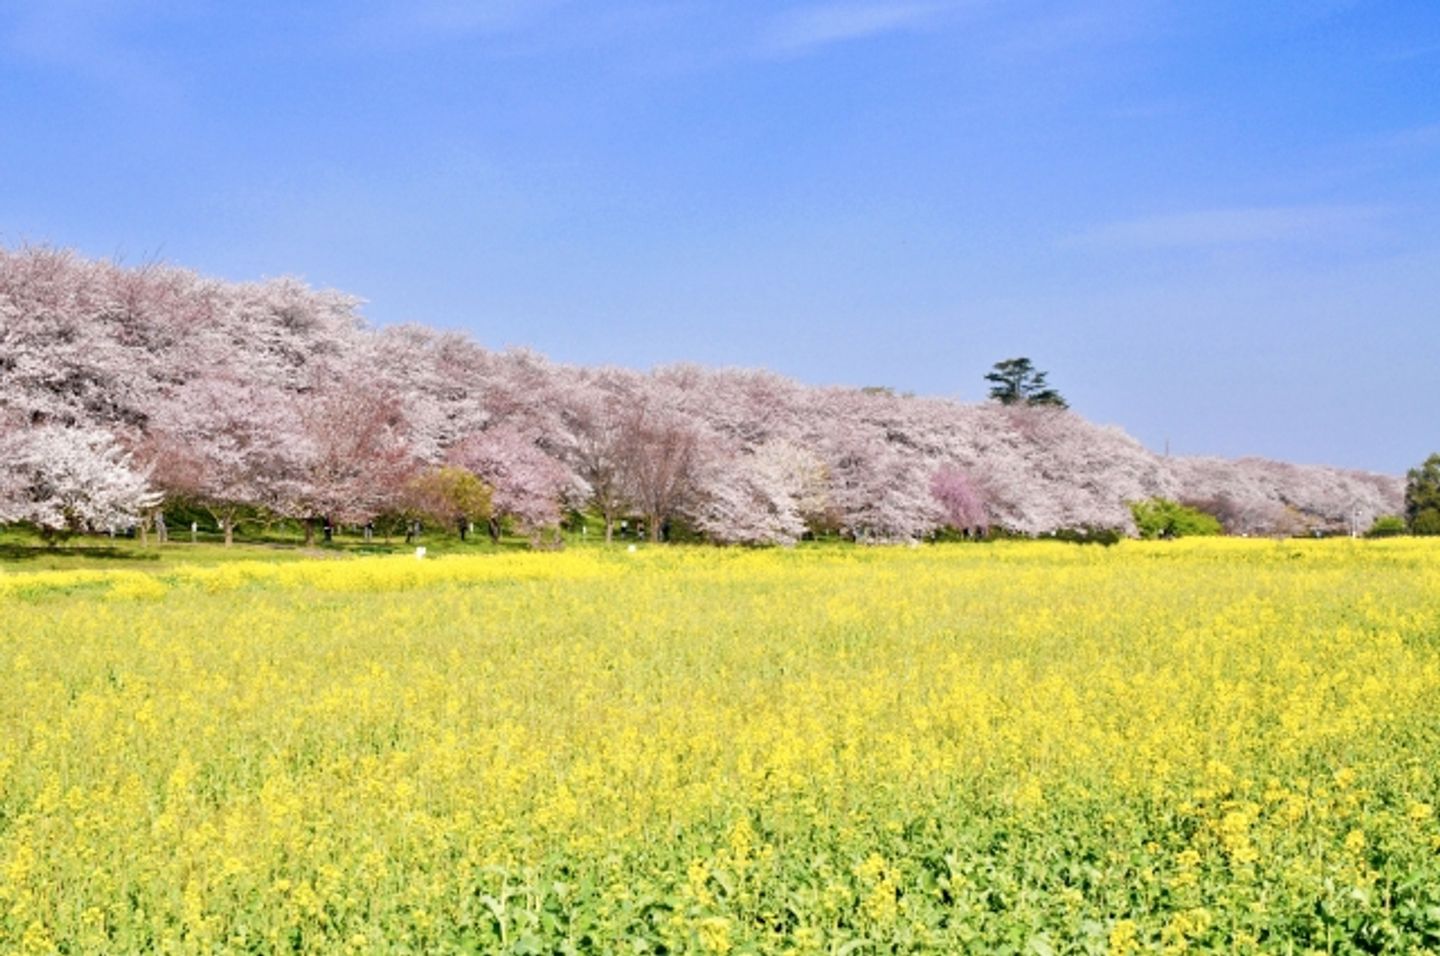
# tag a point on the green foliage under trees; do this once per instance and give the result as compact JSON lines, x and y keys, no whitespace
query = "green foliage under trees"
{"x":451,"y":494}
{"x":1089,"y":535}
{"x":1163,"y":518}
{"x":1386,"y":526}
{"x":1422,"y":497}
{"x":1015,"y":381}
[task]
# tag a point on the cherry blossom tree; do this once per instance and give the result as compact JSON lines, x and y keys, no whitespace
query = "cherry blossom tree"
{"x":230,"y":446}
{"x":660,"y":451}
{"x":877,"y":490}
{"x":1255,"y":496}
{"x":59,"y":358}
{"x":12,"y":478}
{"x":1046,"y":469}
{"x":744,"y":406}
{"x":762,"y":496}
{"x":274,"y":395}
{"x":282,"y":329}
{"x":596,"y":408}
{"x":961,"y":502}
{"x":528,"y":485}
{"x":66,"y":478}
{"x":356,"y":457}
{"x":438,"y":376}
{"x":522,"y":391}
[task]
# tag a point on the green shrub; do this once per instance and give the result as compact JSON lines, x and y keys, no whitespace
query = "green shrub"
{"x":1386,"y":526}
{"x":1163,"y":518}
{"x":1088,"y":535}
{"x":1427,"y":522}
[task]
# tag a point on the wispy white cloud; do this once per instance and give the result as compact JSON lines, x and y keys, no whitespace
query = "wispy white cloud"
{"x":1236,"y":226}
{"x":801,"y":30}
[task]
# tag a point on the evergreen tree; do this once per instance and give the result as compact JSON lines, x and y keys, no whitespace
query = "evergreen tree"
{"x":1016,"y":382}
{"x":1422,"y":497}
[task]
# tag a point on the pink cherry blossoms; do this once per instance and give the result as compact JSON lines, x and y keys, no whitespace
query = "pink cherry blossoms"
{"x":123,"y":389}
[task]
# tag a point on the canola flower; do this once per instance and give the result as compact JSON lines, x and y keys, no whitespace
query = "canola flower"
{"x":1209,"y":746}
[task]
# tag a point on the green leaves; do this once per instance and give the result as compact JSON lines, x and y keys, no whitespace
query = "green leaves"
{"x":1163,"y":518}
{"x":1015,"y":381}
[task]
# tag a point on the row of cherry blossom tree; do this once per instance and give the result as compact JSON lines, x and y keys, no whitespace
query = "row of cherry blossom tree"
{"x":124,"y":390}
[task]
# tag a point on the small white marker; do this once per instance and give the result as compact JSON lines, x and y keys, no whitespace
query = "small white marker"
{"x":419,"y":553}
{"x":631,"y":549}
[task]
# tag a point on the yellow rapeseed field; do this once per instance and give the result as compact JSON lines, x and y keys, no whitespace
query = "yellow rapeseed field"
{"x":1219,"y":746}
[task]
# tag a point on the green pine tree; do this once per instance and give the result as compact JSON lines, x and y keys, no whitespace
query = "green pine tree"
{"x":1015,"y":381}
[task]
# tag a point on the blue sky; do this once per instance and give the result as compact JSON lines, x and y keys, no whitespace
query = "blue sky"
{"x":1216,"y":224}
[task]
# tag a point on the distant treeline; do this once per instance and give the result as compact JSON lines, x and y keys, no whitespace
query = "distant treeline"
{"x":122,"y":389}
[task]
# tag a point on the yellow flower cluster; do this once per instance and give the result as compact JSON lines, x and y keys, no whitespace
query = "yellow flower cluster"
{"x":1181,"y":746}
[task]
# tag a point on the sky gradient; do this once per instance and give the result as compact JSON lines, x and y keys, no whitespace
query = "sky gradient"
{"x":1215,"y":224}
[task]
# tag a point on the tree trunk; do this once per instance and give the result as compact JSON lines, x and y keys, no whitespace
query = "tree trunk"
{"x":654,"y":522}
{"x":609,"y":528}
{"x":144,"y":532}
{"x":228,"y":524}
{"x":309,"y":532}
{"x":494,"y":530}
